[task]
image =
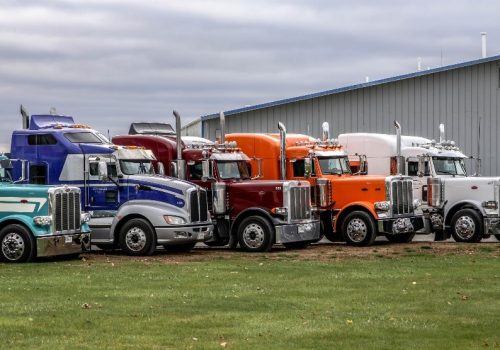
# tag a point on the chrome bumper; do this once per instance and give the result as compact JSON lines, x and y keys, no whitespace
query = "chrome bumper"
{"x":288,"y":233}
{"x":183,"y":234}
{"x":62,"y":244}
{"x":395,"y":226}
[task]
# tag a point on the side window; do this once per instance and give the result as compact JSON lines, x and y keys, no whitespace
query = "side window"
{"x":413,"y":168}
{"x":38,"y":174}
{"x":93,"y":169}
{"x":298,"y":168}
{"x":195,"y":171}
{"x":41,"y":140}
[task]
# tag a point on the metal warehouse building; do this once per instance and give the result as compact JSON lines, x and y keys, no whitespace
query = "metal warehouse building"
{"x":458,"y":95}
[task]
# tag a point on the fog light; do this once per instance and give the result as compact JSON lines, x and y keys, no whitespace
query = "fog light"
{"x":416,"y":203}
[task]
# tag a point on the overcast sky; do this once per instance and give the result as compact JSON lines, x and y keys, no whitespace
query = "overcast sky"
{"x":110,"y":62}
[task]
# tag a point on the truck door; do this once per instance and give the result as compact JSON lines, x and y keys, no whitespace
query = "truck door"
{"x":102,"y":194}
{"x":419,"y":183}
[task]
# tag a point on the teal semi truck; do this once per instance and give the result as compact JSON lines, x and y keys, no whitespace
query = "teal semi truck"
{"x":39,"y":221}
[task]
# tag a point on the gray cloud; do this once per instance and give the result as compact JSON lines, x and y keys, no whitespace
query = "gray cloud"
{"x":109,"y":62}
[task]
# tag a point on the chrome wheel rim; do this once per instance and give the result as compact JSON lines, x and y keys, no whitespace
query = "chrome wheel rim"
{"x":465,"y":227}
{"x":254,"y":235}
{"x":135,"y":239}
{"x":357,"y":230}
{"x":13,"y":246}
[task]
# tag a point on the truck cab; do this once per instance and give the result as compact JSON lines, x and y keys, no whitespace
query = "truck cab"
{"x":132,"y":207}
{"x":454,"y":203}
{"x":354,"y":208}
{"x":39,"y":221}
{"x":254,"y":213}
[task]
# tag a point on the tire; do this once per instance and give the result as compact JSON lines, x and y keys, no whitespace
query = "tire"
{"x":497,"y":237}
{"x":358,"y":229}
{"x":137,"y":237}
{"x":16,"y":244}
{"x":179,"y":248}
{"x":467,"y":226}
{"x":401,"y":238}
{"x":255,"y":234}
{"x":296,"y":245}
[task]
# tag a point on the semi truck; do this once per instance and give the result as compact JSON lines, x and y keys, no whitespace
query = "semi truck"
{"x":39,"y":221}
{"x":132,"y":207}
{"x":254,"y":213}
{"x":456,"y":204}
{"x":354,"y":208}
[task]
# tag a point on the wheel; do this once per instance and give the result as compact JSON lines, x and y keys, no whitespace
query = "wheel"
{"x":137,"y":237}
{"x":466,"y":226}
{"x":296,"y":245}
{"x":17,"y":244}
{"x":358,"y":229}
{"x":179,"y":248}
{"x":401,"y":238}
{"x":255,"y":234}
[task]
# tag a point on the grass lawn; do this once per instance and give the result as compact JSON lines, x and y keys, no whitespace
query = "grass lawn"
{"x":417,"y":296}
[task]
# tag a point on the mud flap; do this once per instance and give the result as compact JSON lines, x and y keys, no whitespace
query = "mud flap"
{"x":441,"y":235}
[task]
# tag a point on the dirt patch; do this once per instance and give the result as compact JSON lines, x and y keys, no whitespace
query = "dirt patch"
{"x":316,"y":252}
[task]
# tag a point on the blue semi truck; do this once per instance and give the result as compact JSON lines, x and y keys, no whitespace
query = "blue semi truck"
{"x":39,"y":221}
{"x":131,"y":207}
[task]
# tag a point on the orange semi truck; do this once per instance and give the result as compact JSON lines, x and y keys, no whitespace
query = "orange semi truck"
{"x":354,"y":208}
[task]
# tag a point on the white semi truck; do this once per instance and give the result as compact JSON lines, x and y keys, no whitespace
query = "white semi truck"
{"x":465,"y":207}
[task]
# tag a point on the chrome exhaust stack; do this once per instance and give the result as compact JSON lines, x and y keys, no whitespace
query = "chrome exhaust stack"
{"x":222,"y":119}
{"x":180,"y":163}
{"x":282,"y":129}
{"x":441,"y":133}
{"x":326,"y":131}
{"x":25,"y":117}
{"x":398,"y":148}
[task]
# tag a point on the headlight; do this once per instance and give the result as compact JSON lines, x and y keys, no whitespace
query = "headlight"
{"x":382,"y":206}
{"x":416,"y":203}
{"x":42,"y":220}
{"x":85,"y":217}
{"x":174,"y":220}
{"x":280,"y":211}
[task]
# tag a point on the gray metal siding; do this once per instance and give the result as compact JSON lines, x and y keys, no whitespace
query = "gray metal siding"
{"x":456,"y":97}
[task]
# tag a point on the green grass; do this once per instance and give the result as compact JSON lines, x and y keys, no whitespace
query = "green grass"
{"x":261,"y":301}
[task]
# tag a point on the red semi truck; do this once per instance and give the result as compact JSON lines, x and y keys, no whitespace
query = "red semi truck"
{"x":254,"y":213}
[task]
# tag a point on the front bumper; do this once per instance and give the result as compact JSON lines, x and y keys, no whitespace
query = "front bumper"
{"x":179,"y":234}
{"x":62,"y":244}
{"x":395,"y":226}
{"x":300,"y":232}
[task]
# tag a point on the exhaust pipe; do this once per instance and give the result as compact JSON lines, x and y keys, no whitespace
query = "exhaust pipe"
{"x":25,"y":117}
{"x":398,"y":146}
{"x":441,"y":133}
{"x":222,"y":119}
{"x":282,"y":129}
{"x":178,"y":142}
{"x":326,"y":131}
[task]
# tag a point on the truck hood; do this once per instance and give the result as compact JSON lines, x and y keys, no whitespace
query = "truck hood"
{"x":24,"y":198}
{"x":471,"y":181}
{"x":167,"y":183}
{"x":260,"y":185}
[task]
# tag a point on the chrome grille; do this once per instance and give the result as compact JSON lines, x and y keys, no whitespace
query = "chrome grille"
{"x":66,"y":210}
{"x":198,"y":205}
{"x":300,"y":203}
{"x":402,"y":196}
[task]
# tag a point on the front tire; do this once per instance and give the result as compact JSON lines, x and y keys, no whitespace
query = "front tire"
{"x":401,"y":238}
{"x":255,"y":234}
{"x":359,"y":229}
{"x":16,"y":244}
{"x":137,"y":237}
{"x":467,"y":226}
{"x":179,"y":248}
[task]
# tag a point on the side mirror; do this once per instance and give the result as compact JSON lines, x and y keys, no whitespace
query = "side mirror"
{"x":206,"y":170}
{"x":307,"y":167}
{"x":102,"y":171}
{"x":173,"y":169}
{"x":421,"y":166}
{"x":161,"y":168}
{"x":259,"y":169}
{"x":5,"y":164}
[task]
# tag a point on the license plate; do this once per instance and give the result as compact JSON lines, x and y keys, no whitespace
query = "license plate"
{"x":68,"y":239}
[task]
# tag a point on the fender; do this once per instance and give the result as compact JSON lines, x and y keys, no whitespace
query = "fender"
{"x":368,"y":206}
{"x":450,"y":211}
{"x":25,"y":221}
{"x":252,"y":211}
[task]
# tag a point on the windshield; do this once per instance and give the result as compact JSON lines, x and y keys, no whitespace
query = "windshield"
{"x":84,"y":137}
{"x":449,"y":166}
{"x":334,"y":165}
{"x":136,"y":167}
{"x":233,"y":170}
